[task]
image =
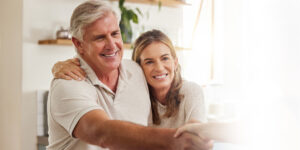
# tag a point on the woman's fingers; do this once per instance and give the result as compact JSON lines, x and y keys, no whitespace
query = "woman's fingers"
{"x":203,"y":143}
{"x":66,"y":77}
{"x":190,"y":127}
{"x":80,"y":74}
{"x":62,"y":76}
{"x":179,"y":131}
{"x":69,"y":69}
{"x":73,"y":75}
{"x":194,"y":142}
{"x":193,"y":121}
{"x":75,"y":61}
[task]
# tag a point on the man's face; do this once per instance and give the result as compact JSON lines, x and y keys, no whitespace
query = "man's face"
{"x":102,"y":46}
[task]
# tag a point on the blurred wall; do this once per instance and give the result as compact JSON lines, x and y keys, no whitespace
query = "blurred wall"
{"x":261,"y":68}
{"x":11,"y":74}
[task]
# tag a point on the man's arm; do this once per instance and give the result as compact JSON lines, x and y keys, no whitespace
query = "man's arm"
{"x":96,"y":128}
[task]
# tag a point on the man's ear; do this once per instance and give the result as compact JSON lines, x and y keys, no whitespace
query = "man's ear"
{"x":78,"y":44}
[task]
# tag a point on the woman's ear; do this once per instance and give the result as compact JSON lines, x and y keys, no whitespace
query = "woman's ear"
{"x":78,"y":44}
{"x":176,"y":63}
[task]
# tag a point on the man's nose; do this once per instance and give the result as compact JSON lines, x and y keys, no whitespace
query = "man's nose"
{"x":110,"y":43}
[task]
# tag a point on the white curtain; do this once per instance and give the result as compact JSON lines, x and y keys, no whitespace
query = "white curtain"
{"x":198,"y":27}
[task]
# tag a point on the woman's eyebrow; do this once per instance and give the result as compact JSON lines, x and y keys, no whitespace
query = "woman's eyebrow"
{"x":165,"y":55}
{"x":147,"y":59}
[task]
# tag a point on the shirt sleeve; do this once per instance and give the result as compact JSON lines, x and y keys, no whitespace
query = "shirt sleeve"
{"x":70,"y":100}
{"x":194,"y":102}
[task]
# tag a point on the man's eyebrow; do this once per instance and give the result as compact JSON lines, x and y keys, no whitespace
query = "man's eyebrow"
{"x":98,"y":36}
{"x":116,"y":31}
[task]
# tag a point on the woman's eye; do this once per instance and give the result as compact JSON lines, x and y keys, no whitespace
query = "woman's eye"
{"x":165,"y":58}
{"x":148,"y":62}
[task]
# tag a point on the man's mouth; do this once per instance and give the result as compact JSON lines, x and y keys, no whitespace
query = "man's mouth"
{"x":110,"y":55}
{"x":160,"y":76}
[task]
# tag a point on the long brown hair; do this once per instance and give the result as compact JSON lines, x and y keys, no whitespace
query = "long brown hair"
{"x":173,"y":98}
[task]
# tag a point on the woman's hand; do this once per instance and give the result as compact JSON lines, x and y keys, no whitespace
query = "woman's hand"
{"x":220,"y":131}
{"x":69,"y":69}
{"x":194,"y":128}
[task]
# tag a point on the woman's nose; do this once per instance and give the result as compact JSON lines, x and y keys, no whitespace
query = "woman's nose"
{"x":159,"y":66}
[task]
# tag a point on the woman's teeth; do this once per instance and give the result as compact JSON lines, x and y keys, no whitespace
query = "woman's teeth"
{"x":160,"y":77}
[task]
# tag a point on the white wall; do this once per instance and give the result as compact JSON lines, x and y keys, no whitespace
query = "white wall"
{"x":272,"y":46}
{"x":261,"y":45}
{"x":41,"y":20}
{"x":10,"y":76}
{"x":261,"y":68}
{"x":232,"y":50}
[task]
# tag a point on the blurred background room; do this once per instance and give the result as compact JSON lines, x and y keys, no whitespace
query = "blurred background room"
{"x":244,"y":53}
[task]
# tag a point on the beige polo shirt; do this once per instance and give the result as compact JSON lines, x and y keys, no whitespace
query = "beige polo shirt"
{"x":69,"y":100}
{"x":192,"y":107}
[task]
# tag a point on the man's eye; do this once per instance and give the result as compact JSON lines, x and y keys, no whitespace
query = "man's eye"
{"x":99,"y":38}
{"x":115,"y":33}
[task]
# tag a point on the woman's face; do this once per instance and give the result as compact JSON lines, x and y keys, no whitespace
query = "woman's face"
{"x":158,"y":65}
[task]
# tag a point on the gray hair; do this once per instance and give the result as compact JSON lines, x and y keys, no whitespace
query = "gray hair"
{"x":86,"y":13}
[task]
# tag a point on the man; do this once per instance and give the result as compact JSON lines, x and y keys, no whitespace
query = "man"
{"x":80,"y":113}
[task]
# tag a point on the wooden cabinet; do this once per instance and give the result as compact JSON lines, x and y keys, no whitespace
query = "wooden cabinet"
{"x":169,"y":3}
{"x":56,"y":42}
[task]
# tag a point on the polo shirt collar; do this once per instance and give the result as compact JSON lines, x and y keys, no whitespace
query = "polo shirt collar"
{"x":124,"y":76}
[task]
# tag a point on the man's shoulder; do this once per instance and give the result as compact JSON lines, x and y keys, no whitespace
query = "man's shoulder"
{"x":68,"y":83}
{"x":132,"y":67}
{"x":70,"y":86}
{"x":130,"y":64}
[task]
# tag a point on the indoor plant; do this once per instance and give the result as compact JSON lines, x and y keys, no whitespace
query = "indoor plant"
{"x":128,"y":15}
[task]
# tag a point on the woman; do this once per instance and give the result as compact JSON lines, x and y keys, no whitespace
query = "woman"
{"x":174,"y":101}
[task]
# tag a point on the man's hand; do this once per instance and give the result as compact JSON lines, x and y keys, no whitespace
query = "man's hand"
{"x":188,"y":141}
{"x":69,"y":69}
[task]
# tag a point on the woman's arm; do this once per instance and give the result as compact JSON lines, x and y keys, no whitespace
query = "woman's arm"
{"x":219,"y":131}
{"x":196,"y":118}
{"x":69,"y":69}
